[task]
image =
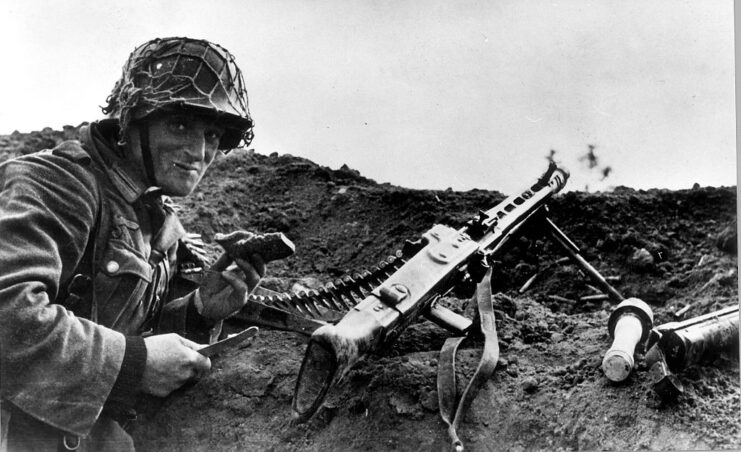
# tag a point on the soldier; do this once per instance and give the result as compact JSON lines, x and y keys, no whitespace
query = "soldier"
{"x":92,"y":309}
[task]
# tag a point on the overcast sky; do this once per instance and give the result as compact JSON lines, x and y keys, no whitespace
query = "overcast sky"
{"x":423,"y":94}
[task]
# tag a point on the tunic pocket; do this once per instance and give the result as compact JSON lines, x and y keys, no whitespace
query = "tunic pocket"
{"x":120,"y":285}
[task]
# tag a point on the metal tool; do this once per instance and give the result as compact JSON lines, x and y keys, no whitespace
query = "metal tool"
{"x":232,"y":341}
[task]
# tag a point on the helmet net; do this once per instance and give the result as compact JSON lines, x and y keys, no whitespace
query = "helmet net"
{"x":187,"y":73}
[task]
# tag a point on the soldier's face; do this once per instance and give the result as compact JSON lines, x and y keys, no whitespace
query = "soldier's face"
{"x":182,"y":146}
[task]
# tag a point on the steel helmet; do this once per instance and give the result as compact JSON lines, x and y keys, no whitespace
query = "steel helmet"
{"x":171,"y":73}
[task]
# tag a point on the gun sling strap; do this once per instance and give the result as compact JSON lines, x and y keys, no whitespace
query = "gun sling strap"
{"x":452,"y":409}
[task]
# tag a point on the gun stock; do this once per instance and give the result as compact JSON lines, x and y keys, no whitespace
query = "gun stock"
{"x":447,"y":258}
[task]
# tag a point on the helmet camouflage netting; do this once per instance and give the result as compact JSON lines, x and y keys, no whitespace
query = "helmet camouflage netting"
{"x":183,"y":73}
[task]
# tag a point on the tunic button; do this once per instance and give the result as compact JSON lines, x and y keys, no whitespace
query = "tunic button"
{"x":112,"y":266}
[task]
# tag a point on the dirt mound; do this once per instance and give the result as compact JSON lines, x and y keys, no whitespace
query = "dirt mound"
{"x":672,"y":249}
{"x":667,"y":247}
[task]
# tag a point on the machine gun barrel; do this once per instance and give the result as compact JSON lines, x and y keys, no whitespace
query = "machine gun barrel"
{"x":446,"y":258}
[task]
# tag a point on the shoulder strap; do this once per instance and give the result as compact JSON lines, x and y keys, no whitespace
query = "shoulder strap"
{"x":92,"y":265}
{"x":452,"y":409}
{"x":79,"y":294}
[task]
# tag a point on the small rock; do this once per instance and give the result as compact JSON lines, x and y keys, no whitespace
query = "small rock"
{"x":558,"y":371}
{"x":428,"y":400}
{"x":529,"y":384}
{"x":505,"y":304}
{"x":726,"y":240}
{"x":524,"y":270}
{"x":402,"y":405}
{"x":326,"y":414}
{"x":512,"y":371}
{"x":357,"y":405}
{"x":517,"y":346}
{"x":595,"y":362}
{"x":728,"y":279}
{"x":642,"y":259}
{"x":557,"y":337}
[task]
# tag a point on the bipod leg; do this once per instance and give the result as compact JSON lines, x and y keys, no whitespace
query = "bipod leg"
{"x":572,"y":251}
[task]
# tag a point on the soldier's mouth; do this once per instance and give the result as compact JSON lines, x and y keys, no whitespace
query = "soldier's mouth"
{"x":185,"y":166}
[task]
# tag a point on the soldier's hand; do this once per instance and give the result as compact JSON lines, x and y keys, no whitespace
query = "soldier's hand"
{"x":252,"y":272}
{"x":172,"y":361}
{"x":238,"y":279}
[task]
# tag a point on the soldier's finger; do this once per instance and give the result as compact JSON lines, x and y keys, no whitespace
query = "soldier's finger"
{"x":222,"y":262}
{"x":258,"y":263}
{"x":236,"y":282}
{"x":201,"y":366}
{"x":251,"y":275}
{"x":198,"y":363}
{"x":190,"y":344}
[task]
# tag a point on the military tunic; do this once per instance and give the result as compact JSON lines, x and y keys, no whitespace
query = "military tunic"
{"x":70,"y":367}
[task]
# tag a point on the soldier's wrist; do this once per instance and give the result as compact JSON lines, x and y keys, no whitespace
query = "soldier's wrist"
{"x":125,"y":389}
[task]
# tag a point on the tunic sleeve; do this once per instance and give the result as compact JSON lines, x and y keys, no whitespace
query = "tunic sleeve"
{"x":54,"y":366}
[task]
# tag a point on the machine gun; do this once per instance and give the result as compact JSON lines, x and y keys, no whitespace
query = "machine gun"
{"x":433,"y":266}
{"x":380,"y":303}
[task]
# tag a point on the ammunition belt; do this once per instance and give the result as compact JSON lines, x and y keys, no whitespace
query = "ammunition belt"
{"x":339,"y":295}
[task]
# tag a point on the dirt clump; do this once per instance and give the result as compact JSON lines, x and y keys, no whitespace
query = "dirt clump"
{"x":672,"y":249}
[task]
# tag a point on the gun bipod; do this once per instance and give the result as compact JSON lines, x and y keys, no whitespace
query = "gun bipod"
{"x":573,"y":252}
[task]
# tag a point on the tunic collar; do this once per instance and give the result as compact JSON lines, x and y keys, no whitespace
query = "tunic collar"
{"x":127,"y":176}
{"x":129,"y":179}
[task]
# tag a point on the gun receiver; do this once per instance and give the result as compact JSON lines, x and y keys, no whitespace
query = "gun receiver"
{"x":447,"y":257}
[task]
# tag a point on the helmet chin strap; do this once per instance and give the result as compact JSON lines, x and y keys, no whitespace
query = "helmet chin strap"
{"x":146,"y":153}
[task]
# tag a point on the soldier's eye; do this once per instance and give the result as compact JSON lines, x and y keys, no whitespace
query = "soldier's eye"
{"x":178,"y":124}
{"x":213,"y":135}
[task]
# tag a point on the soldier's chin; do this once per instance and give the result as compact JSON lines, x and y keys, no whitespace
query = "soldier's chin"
{"x":180,"y":187}
{"x":178,"y":190}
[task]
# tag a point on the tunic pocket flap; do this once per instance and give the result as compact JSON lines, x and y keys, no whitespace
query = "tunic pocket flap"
{"x":119,"y":259}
